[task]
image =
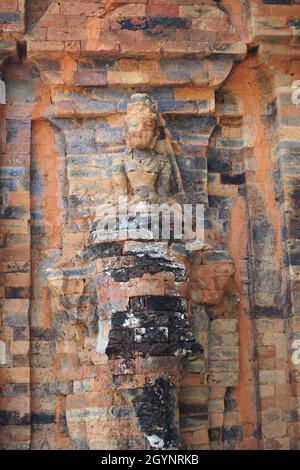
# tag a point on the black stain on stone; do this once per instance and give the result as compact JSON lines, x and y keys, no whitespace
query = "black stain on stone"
{"x":218,"y":166}
{"x":263,"y":232}
{"x":167,"y":22}
{"x":144,"y":23}
{"x":101,"y":250}
{"x":14,"y":418}
{"x":130,"y":25}
{"x":232,"y":433}
{"x":121,"y":412}
{"x":36,"y":185}
{"x":162,"y":134}
{"x":295,"y":259}
{"x":16,"y":292}
{"x":42,"y":334}
{"x":14,"y":212}
{"x":157,"y":303}
{"x":20,"y":333}
{"x":268,"y":312}
{"x":228,"y":433}
{"x":120,"y":343}
{"x":152,"y":326}
{"x":11,"y":134}
{"x":193,"y":422}
{"x":294,"y":22}
{"x":63,"y":426}
{"x":148,"y":264}
{"x":233,"y":179}
{"x":230,"y":404}
{"x":214,"y":434}
{"x":9,"y":17}
{"x":42,"y":418}
{"x":294,"y":228}
{"x":118,"y":319}
{"x":155,"y":408}
{"x":296,"y":198}
{"x":193,"y":408}
{"x":12,"y":390}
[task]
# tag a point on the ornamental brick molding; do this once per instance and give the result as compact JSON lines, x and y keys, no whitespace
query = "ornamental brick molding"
{"x":139,"y":342}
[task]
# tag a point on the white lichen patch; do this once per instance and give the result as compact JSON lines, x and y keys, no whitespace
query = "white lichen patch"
{"x":139,"y":334}
{"x":2,"y":353}
{"x":102,"y":337}
{"x":155,"y":442}
{"x":131,"y":321}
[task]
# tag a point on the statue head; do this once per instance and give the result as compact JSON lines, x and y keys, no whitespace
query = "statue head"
{"x":142,"y":122}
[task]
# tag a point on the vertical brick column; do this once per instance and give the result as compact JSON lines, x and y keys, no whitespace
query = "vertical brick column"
{"x":287,"y":158}
{"x":15,"y":268}
{"x":268,"y":282}
{"x":14,"y":245}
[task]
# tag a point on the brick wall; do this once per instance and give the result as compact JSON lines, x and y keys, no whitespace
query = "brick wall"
{"x":220,"y":75}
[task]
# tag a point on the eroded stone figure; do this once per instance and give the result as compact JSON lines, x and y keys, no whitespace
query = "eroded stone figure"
{"x":139,"y":291}
{"x":146,"y":174}
{"x":146,"y":171}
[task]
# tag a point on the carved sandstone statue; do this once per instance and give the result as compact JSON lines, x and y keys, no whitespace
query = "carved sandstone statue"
{"x":139,"y":291}
{"x":145,"y":172}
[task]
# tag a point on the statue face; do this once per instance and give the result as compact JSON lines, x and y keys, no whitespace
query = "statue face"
{"x":142,"y":129}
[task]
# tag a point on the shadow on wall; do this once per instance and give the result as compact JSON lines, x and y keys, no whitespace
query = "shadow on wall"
{"x":34,"y":10}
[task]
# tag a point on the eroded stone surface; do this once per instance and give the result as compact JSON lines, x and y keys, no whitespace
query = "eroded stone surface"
{"x":221,"y":128}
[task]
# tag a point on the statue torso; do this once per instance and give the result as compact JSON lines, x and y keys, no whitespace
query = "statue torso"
{"x":143,"y":168}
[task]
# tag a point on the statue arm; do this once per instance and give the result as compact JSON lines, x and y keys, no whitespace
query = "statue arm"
{"x":164,"y":180}
{"x":119,"y":178}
